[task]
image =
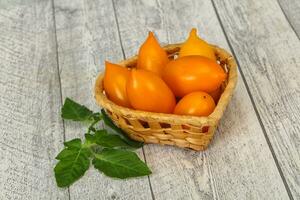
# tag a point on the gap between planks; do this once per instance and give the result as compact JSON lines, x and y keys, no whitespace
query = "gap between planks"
{"x":124,"y":57}
{"x":58,"y":74}
{"x":254,"y":105}
{"x":287,"y":19}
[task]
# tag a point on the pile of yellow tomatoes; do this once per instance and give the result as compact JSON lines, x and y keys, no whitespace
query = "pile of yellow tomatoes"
{"x":187,"y":85}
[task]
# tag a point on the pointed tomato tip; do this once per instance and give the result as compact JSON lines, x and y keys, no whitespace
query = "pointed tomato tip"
{"x":193,"y":32}
{"x":151,"y":34}
{"x":107,"y":63}
{"x":150,"y":39}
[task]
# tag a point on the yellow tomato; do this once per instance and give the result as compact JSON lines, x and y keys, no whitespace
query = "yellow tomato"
{"x":196,"y":46}
{"x":114,"y":82}
{"x":148,"y":92}
{"x":152,"y":56}
{"x":193,"y":73}
{"x":195,"y":103}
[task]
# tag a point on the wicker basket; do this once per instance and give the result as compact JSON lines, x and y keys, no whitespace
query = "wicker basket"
{"x":182,"y":131}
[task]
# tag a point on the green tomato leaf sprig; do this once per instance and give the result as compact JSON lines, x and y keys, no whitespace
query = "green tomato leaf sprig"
{"x":109,"y":149}
{"x":74,"y":161}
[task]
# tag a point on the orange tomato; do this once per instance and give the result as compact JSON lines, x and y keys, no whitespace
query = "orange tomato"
{"x":216,"y":94}
{"x":147,"y":91}
{"x":152,"y":56}
{"x":196,"y":46}
{"x":115,"y":78}
{"x":193,"y":73}
{"x":195,"y":103}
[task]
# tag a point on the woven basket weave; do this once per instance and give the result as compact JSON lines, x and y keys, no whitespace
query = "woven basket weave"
{"x":182,"y":131}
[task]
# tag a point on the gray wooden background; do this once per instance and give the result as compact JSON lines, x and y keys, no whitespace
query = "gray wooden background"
{"x":53,"y":49}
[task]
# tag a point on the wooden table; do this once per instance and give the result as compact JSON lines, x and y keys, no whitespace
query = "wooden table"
{"x":50,"y":50}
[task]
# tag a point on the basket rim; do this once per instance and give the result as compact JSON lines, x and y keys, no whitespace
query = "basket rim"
{"x":214,"y":117}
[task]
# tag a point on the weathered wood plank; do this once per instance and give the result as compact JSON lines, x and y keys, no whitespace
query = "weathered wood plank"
{"x":291,"y":9}
{"x":269,"y":55}
{"x":87,"y":35}
{"x":239,"y":163}
{"x":31,"y":132}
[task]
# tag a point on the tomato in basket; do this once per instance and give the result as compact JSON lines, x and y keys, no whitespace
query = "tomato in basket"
{"x":152,"y":56}
{"x":195,"y":103}
{"x":196,"y":46}
{"x":115,"y":78}
{"x":193,"y":73}
{"x":148,"y":92}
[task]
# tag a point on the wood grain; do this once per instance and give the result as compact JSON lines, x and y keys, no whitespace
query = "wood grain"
{"x":87,"y":35}
{"x":239,"y":163}
{"x":269,"y":55}
{"x":31,"y":131}
{"x":291,"y":9}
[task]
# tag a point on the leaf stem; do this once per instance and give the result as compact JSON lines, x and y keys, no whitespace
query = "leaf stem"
{"x":96,"y":118}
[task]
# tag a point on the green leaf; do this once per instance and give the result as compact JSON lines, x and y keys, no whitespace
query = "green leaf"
{"x":74,"y":111}
{"x":76,"y":143}
{"x":67,"y":154}
{"x":120,"y":164}
{"x":120,"y":132}
{"x":104,"y":139}
{"x":73,"y":163}
{"x":90,"y":137}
